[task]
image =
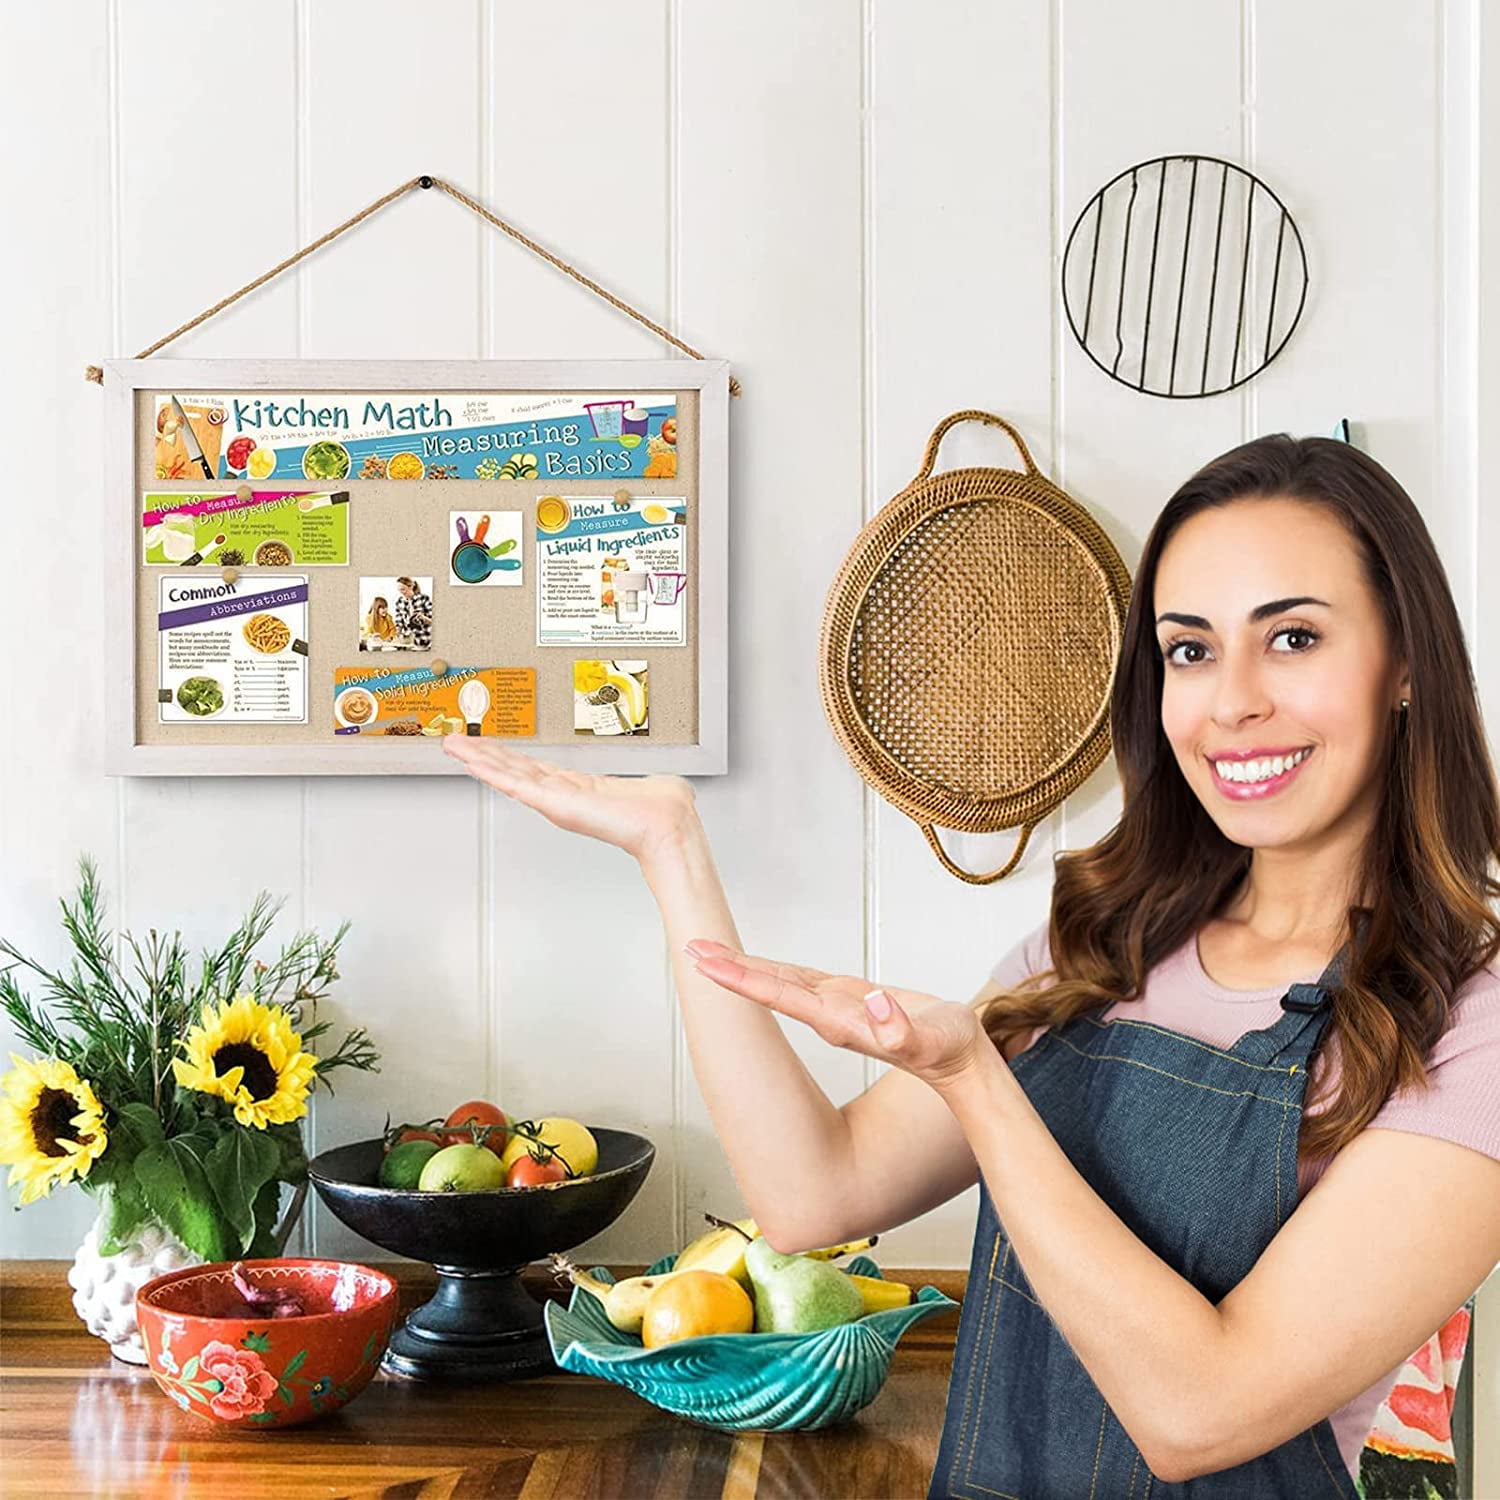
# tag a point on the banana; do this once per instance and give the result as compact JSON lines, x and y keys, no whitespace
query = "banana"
{"x":878,"y":1295}
{"x":624,"y":1301}
{"x":632,"y":692}
{"x":853,"y":1247}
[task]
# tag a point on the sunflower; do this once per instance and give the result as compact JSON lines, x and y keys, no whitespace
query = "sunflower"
{"x":248,"y":1054}
{"x":51,"y":1126}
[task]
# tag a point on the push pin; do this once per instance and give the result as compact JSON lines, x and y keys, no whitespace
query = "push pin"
{"x":439,"y":667}
{"x":622,"y":499}
{"x":244,"y":494}
{"x":229,"y":574}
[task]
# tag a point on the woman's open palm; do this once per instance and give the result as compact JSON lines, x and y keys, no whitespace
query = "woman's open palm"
{"x":631,"y":812}
{"x":935,"y":1040}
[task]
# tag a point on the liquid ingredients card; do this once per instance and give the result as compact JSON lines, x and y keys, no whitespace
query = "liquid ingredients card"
{"x":413,"y":701}
{"x":232,"y":652}
{"x":611,"y":570}
{"x":272,"y":529}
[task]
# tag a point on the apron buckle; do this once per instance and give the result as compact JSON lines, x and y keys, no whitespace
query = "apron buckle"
{"x":1308,"y":998}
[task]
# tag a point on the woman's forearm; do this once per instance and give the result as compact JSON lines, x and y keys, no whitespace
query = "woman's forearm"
{"x":786,"y":1141}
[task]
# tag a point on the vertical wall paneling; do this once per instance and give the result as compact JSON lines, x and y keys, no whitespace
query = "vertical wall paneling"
{"x":770,"y":233}
{"x":577,"y":158}
{"x":1374,"y":236}
{"x":960,"y":306}
{"x":197,"y":850}
{"x":194,"y":852}
{"x":400,"y":859}
{"x":1127,"y":101}
{"x":54,"y":305}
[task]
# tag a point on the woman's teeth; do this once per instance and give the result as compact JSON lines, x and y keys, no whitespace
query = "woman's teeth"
{"x":1246,"y":771}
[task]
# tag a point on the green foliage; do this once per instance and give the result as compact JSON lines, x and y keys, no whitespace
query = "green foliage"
{"x":125,"y":1212}
{"x":118,"y":1011}
{"x":238,"y":1165}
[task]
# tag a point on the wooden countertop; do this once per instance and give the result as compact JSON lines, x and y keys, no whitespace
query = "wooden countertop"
{"x":76,"y":1422}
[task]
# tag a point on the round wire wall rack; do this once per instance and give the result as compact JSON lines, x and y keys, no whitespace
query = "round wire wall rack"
{"x":1196,"y":243}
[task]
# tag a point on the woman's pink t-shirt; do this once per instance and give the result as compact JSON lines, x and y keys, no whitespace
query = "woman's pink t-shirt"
{"x":1408,"y":1409}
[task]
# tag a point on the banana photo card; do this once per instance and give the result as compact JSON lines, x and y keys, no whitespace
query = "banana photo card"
{"x":610,"y":698}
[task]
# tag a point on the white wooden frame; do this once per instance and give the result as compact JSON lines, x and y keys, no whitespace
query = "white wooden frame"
{"x":124,"y":377}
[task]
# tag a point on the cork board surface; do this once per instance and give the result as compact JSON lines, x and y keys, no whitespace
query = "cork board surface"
{"x":401,"y":527}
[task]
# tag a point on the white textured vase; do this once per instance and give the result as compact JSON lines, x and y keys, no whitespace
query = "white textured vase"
{"x":104,"y":1286}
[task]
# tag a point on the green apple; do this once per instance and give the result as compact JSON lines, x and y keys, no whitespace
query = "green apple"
{"x":464,"y":1168}
{"x":402,"y":1165}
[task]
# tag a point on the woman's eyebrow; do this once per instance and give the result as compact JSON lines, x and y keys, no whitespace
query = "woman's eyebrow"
{"x":1260,"y":612}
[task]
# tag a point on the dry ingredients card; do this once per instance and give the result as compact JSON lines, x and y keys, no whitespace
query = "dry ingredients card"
{"x":611,"y":570}
{"x":232,"y":652}
{"x":272,"y":529}
{"x":414,"y":701}
{"x":329,"y":435}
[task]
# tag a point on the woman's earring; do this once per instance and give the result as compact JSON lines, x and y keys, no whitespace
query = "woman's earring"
{"x":1405,"y":704}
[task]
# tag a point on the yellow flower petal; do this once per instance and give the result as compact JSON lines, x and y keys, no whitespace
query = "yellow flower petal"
{"x":42,"y":1098}
{"x":247,"y":1054}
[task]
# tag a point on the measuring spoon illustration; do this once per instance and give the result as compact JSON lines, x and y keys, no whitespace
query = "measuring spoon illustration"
{"x":474,"y":563}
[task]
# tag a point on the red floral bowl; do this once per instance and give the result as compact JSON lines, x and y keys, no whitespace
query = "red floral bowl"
{"x":251,"y":1371}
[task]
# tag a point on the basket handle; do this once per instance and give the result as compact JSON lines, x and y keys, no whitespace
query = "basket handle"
{"x":994,"y":875}
{"x":930,"y":457}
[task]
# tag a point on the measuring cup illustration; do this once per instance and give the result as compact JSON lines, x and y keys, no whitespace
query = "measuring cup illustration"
{"x":473,"y":562}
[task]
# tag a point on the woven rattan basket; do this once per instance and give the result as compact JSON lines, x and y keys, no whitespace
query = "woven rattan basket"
{"x":969,"y":645}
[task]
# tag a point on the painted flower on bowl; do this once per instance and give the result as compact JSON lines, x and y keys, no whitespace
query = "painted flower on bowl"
{"x":245,"y":1385}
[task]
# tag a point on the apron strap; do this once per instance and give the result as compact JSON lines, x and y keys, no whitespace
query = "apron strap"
{"x":1306,"y":1010}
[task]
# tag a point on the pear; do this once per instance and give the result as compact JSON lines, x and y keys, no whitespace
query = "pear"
{"x":797,"y":1294}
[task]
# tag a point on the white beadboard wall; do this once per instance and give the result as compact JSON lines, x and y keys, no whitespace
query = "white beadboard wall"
{"x":863,"y":206}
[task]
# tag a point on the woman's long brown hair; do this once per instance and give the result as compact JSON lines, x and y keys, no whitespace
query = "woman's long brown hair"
{"x":1122,"y":905}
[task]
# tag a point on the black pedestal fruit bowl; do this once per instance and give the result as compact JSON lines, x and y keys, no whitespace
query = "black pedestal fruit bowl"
{"x":481,"y":1324}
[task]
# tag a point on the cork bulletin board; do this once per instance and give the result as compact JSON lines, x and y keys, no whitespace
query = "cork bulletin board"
{"x":322,"y":567}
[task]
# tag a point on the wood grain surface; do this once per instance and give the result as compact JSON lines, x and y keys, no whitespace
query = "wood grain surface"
{"x":76,"y":1422}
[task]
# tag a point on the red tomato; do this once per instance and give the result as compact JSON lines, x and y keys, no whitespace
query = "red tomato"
{"x":490,"y":1120}
{"x":238,"y":452}
{"x":415,"y":1135}
{"x":527,"y":1171}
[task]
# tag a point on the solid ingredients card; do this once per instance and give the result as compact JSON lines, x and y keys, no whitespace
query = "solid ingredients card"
{"x":232,"y":652}
{"x":411,"y":701}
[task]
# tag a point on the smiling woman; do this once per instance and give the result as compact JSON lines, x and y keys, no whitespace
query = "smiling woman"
{"x":1307,"y":784}
{"x":1143,"y":1303}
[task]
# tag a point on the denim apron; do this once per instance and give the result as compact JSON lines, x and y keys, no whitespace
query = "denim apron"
{"x":1195,"y":1148}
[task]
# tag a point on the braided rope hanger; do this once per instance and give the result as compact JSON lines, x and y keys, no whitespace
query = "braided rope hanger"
{"x":96,"y":372}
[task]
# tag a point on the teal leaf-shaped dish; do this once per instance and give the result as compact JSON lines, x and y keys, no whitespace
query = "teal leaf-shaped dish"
{"x":734,"y":1381}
